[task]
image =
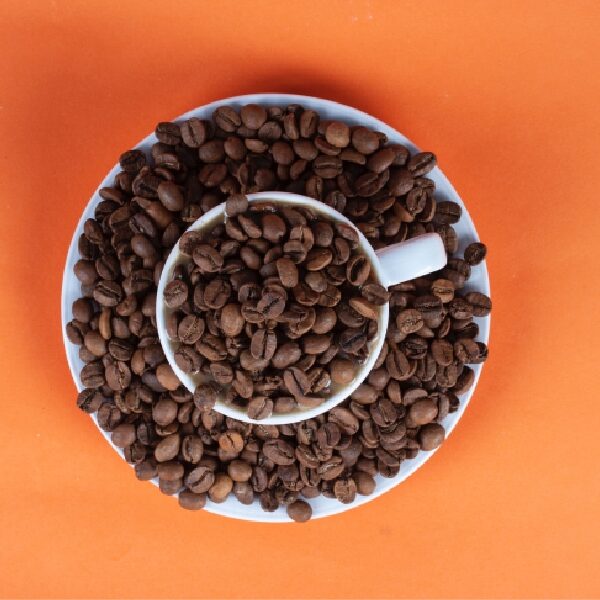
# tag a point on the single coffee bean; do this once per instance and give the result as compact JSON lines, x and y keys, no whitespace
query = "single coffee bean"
{"x":200,"y":479}
{"x":365,"y":484}
{"x":164,"y":411}
{"x":345,"y":490}
{"x":409,"y":321}
{"x":431,"y":436}
{"x":337,"y":134}
{"x":108,"y":293}
{"x":253,"y":116}
{"x":176,"y":293}
{"x":191,"y":501}
{"x":146,"y":470}
{"x":481,"y":304}
{"x":475,"y":253}
{"x":232,"y":321}
{"x":167,"y":448}
{"x":117,"y":375}
{"x":221,"y":488}
{"x":375,"y":293}
{"x":296,"y":382}
{"x":207,"y":258}
{"x":279,"y":451}
{"x":288,"y":272}
{"x":123,"y":435}
{"x":194,"y":132}
{"x":286,"y":355}
{"x":260,"y":407}
{"x":299,"y":511}
{"x":227,"y":118}
{"x":192,"y":449}
{"x":231,"y":441}
{"x":422,"y":163}
{"x":239,"y":471}
{"x":170,"y":471}
{"x":422,"y":412}
{"x":358,"y":270}
{"x":365,"y":140}
{"x":235,"y":205}
{"x":170,"y":195}
{"x":132,"y":161}
{"x":89,"y":400}
{"x":443,"y":289}
{"x":166,"y":377}
{"x":447,"y":213}
{"x":190,"y":329}
{"x":363,"y":307}
{"x":92,"y":375}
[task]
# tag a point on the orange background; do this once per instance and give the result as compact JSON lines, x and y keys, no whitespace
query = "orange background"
{"x":507,"y":95}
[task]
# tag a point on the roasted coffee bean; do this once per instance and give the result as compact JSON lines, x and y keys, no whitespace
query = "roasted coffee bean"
{"x":337,"y":134}
{"x":422,"y":163}
{"x":207,"y":258}
{"x":253,"y":116}
{"x":260,"y":407}
{"x":481,"y":304}
{"x":365,"y":140}
{"x":89,"y":400}
{"x":117,"y":375}
{"x":192,"y":449}
{"x":409,"y":321}
{"x":200,"y":479}
{"x":132,"y":161}
{"x":431,"y":436}
{"x":363,"y":307}
{"x":475,"y":253}
{"x":422,"y":412}
{"x":263,"y":344}
{"x":190,"y":329}
{"x":176,"y":293}
{"x":194,"y":132}
{"x":279,"y":451}
{"x":191,"y":501}
{"x":123,"y":435}
{"x":286,"y":355}
{"x":447,"y":213}
{"x":164,"y":411}
{"x":342,"y":371}
{"x":345,"y":490}
{"x":296,"y":382}
{"x":299,"y":511}
{"x":443,"y":289}
{"x":107,"y":293}
{"x":227,"y":118}
{"x":288,"y":272}
{"x":375,"y":293}
{"x":232,"y":321}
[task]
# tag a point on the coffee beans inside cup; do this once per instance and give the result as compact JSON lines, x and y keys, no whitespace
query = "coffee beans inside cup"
{"x":268,"y":310}
{"x":175,"y":437}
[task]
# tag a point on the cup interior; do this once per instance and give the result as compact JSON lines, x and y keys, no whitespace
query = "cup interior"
{"x":208,"y":221}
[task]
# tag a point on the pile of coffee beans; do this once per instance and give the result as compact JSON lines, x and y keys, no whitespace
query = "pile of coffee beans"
{"x":273,"y":310}
{"x":168,"y":433}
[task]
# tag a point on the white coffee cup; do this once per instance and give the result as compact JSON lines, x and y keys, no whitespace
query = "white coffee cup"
{"x":392,"y":265}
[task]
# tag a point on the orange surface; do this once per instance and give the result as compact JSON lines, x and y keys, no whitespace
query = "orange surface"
{"x":507,"y":94}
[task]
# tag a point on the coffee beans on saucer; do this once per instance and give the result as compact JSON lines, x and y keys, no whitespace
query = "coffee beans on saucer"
{"x":174,"y":436}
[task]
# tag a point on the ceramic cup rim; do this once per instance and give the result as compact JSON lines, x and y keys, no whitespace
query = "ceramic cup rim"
{"x":176,"y":256}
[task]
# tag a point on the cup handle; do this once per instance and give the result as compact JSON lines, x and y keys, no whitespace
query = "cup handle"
{"x":412,"y":258}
